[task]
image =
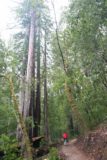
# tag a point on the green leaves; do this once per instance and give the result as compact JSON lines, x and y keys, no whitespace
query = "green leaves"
{"x":53,"y":155}
{"x":2,"y":55}
{"x":83,"y":41}
{"x":9,"y":147}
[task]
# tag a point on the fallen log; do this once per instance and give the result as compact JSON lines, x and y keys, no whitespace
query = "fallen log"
{"x":36,"y":141}
{"x":37,"y":138}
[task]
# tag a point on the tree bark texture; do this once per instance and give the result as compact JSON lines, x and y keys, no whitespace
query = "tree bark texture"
{"x":23,"y":73}
{"x":30,"y":77}
{"x":46,"y":127}
{"x":37,"y":113}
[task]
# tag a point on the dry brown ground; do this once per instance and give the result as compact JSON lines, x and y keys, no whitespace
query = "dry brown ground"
{"x":72,"y":152}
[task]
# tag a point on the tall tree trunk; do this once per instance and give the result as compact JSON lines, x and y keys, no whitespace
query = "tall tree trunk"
{"x":37,"y":113}
{"x":46,"y":127}
{"x":22,"y":84}
{"x":23,"y":72}
{"x":30,"y":77}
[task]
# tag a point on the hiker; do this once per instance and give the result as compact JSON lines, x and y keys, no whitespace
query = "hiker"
{"x":65,"y":137}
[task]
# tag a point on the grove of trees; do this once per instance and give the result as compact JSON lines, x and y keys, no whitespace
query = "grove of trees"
{"x":53,"y":75}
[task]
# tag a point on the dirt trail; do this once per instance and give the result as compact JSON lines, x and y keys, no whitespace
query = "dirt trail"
{"x":71,"y":152}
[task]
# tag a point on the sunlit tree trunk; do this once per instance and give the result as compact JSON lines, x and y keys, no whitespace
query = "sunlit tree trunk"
{"x":23,"y":73}
{"x":30,"y":77}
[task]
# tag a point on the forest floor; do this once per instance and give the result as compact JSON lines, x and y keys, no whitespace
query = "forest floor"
{"x":72,"y":152}
{"x":92,"y":147}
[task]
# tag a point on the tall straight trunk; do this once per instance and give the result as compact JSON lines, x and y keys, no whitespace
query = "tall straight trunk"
{"x":37,"y":113}
{"x":22,"y":84}
{"x":30,"y":77}
{"x":23,"y":72}
{"x":46,"y":127}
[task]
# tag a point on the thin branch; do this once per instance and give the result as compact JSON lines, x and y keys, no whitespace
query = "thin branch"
{"x":57,"y":36}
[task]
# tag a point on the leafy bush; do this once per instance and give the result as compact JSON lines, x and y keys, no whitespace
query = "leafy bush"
{"x":53,"y":155}
{"x":9,"y":147}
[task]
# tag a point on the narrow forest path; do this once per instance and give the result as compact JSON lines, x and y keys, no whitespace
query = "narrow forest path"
{"x":72,"y":152}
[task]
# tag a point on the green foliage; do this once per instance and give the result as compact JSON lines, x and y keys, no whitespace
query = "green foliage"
{"x":7,"y":120}
{"x":29,"y":122}
{"x":83,"y":43}
{"x":86,"y":21}
{"x":83,"y":40}
{"x":2,"y":55}
{"x":53,"y":154}
{"x":7,"y":114}
{"x":59,"y":109}
{"x":10,"y":148}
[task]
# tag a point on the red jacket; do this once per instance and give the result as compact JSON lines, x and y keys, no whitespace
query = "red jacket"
{"x":65,"y":135}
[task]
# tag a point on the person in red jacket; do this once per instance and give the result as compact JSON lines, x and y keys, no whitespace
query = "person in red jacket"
{"x":65,"y":137}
